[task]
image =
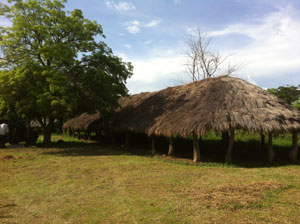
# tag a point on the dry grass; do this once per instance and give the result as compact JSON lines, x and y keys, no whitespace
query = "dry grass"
{"x":88,"y":183}
{"x":233,"y":196}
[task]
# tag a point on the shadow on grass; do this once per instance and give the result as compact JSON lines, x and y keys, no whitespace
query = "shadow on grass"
{"x":245,"y":154}
{"x":85,"y":149}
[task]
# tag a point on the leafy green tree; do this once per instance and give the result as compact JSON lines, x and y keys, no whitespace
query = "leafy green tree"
{"x":54,"y":63}
{"x":287,"y":93}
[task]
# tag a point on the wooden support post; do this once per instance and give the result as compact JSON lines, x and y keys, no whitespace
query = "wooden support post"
{"x":171,"y":146}
{"x":153,"y":144}
{"x":294,"y":152}
{"x":225,"y":139}
{"x":128,"y":140}
{"x":228,"y":157}
{"x":196,"y":150}
{"x":262,"y":142}
{"x":271,"y":152}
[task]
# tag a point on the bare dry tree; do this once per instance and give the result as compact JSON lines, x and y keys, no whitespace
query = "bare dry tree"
{"x":203,"y":63}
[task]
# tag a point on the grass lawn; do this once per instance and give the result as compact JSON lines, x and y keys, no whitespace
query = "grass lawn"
{"x":76,"y":182}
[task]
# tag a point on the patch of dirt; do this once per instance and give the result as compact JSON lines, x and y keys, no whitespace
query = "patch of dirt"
{"x":234,"y":196}
{"x":9,"y":157}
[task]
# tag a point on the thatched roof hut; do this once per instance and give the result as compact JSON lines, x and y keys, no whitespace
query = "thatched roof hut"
{"x":219,"y":104}
{"x":84,"y":122}
{"x":222,"y":104}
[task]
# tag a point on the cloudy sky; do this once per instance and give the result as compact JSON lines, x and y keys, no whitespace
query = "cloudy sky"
{"x":262,"y":35}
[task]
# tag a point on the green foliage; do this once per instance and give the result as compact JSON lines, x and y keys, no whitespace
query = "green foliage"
{"x":54,"y":63}
{"x":296,"y":103}
{"x":290,"y":94}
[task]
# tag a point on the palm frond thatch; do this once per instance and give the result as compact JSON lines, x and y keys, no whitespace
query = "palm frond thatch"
{"x":218,"y":104}
{"x":83,"y":122}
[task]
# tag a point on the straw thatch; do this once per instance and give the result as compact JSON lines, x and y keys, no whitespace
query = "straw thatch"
{"x":219,"y":104}
{"x":84,"y":122}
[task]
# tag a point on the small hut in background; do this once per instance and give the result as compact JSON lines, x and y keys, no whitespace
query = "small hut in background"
{"x":223,"y":104}
{"x":85,"y":122}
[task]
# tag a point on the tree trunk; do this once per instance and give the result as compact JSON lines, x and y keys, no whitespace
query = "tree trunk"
{"x":48,"y":127}
{"x":225,"y":139}
{"x":294,"y":152}
{"x":271,"y":152}
{"x":47,"y":137}
{"x":228,"y":158}
{"x":196,"y":150}
{"x":153,"y":144}
{"x":171,"y":146}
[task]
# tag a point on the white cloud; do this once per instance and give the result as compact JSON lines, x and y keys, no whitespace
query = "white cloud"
{"x":135,"y":25}
{"x":161,"y":69}
{"x":271,"y":54}
{"x":275,"y":45}
{"x":155,"y":73}
{"x":121,"y":6}
{"x":109,"y":4}
{"x":153,"y":23}
{"x":125,"y":6}
{"x":133,"y":29}
{"x":128,"y":46}
{"x":272,"y":48}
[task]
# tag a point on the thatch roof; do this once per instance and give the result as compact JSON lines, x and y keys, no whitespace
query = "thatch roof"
{"x":219,"y":104}
{"x":83,"y":122}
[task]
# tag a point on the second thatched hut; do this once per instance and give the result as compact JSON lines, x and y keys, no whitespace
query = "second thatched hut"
{"x":85,"y":122}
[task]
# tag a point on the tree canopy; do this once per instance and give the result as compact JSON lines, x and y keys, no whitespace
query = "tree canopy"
{"x":290,"y":94}
{"x":54,"y":63}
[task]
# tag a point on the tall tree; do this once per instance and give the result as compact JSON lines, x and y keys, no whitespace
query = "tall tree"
{"x":202,"y":62}
{"x":290,"y":94}
{"x":54,"y":62}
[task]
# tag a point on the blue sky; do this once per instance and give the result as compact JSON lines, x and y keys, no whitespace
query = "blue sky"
{"x":263,"y":35}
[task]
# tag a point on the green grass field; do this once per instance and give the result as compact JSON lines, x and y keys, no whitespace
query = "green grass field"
{"x":76,"y":182}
